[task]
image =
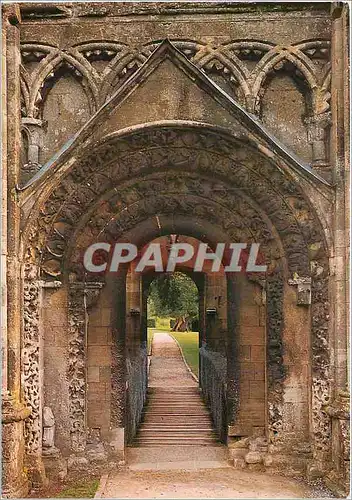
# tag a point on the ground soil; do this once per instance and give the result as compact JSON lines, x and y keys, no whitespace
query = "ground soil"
{"x":213,"y":483}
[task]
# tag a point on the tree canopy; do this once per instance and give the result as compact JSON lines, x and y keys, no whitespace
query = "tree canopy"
{"x":173,"y":295}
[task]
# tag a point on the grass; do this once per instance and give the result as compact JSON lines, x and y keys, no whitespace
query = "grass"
{"x":150,"y":336}
{"x":190,"y":348}
{"x":82,"y":489}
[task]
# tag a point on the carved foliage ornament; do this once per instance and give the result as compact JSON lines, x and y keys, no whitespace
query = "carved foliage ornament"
{"x":31,"y":362}
{"x":121,"y":159}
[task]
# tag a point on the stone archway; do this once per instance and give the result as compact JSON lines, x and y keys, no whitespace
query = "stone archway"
{"x":205,"y":183}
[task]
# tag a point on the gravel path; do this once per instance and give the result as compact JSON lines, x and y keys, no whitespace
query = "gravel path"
{"x":167,"y":368}
{"x":218,"y":483}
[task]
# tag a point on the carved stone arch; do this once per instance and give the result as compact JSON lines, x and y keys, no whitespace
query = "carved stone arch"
{"x":208,"y":151}
{"x":232,"y":69}
{"x":237,"y":46}
{"x":49,"y":69}
{"x":276,"y":58}
{"x":104,"y":50}
{"x":247,"y":54}
{"x":25,"y":91}
{"x":192,"y":49}
{"x":43,"y":55}
{"x":318,"y":51}
{"x":112,"y":215}
{"x":223,"y":162}
{"x":130,"y":59}
{"x":324,"y":91}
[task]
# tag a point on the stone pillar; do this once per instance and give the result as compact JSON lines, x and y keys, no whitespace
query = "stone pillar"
{"x":77,"y":321}
{"x":3,"y":255}
{"x":118,"y":366}
{"x":233,"y":343}
{"x":216,"y":312}
{"x":14,"y":480}
{"x":339,"y":282}
{"x":321,"y":376}
{"x":33,"y":128}
{"x":32,"y":356}
{"x":318,"y":126}
{"x":133,"y":319}
{"x":276,"y":371}
{"x":339,"y":157}
{"x":81,"y":296}
{"x":246,"y":356}
{"x":338,"y":479}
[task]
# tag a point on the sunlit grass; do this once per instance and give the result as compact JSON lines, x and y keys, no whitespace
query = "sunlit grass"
{"x":189,"y":345}
{"x":150,"y":335}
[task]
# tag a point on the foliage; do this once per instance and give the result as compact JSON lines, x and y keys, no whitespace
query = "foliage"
{"x":173,"y":295}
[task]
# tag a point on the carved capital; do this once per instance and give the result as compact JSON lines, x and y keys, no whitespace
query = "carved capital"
{"x":339,"y":408}
{"x":92,"y":292}
{"x":304,"y":290}
{"x":13,"y":411}
{"x":76,"y":374}
{"x":316,"y":127}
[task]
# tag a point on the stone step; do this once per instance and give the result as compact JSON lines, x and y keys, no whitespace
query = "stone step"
{"x":212,"y":451}
{"x":177,"y":411}
{"x":181,"y":404}
{"x":177,"y":426}
{"x":187,"y":417}
{"x":176,"y":432}
{"x":178,"y":442}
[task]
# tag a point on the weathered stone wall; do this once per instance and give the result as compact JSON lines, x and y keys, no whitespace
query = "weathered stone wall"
{"x":250,"y":328}
{"x":260,"y":58}
{"x":56,"y":359}
{"x":99,"y":365}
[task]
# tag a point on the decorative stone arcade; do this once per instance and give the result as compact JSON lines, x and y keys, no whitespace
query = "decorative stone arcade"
{"x":176,"y":137}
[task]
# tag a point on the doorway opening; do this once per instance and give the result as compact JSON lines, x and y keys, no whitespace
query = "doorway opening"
{"x":173,"y":308}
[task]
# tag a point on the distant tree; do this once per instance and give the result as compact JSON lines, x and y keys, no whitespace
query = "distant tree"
{"x":174,"y":295}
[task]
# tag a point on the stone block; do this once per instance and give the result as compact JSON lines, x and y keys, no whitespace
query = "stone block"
{"x":55,"y":466}
{"x":97,"y":335}
{"x":253,"y":457}
{"x":117,"y":442}
{"x":95,"y":317}
{"x":106,"y":316}
{"x":98,"y":415}
{"x":257,"y":353}
{"x":238,"y":453}
{"x":104,"y":374}
{"x":251,"y":371}
{"x":256,"y":389}
{"x":77,"y":464}
{"x":239,"y":443}
{"x":249,"y":316}
{"x":245,"y":353}
{"x":238,"y":463}
{"x":97,"y":391}
{"x":93,"y":374}
{"x":252,"y":335}
{"x":99,"y":355}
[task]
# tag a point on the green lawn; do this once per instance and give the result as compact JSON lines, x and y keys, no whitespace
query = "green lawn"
{"x":82,"y":489}
{"x":150,"y":335}
{"x":189,"y":345}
